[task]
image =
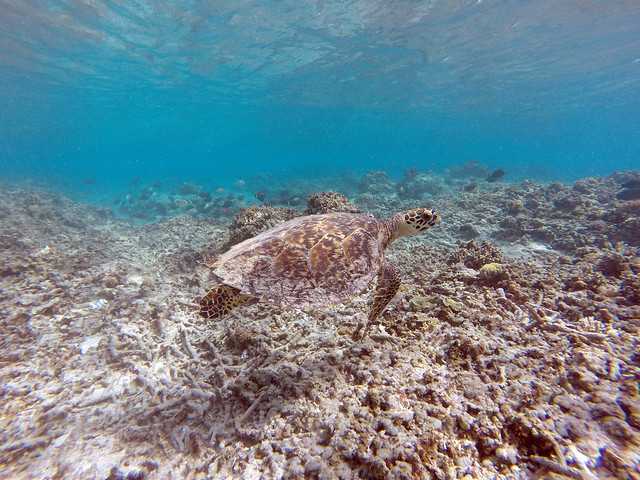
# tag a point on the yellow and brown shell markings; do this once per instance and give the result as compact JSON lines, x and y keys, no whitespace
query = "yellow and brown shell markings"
{"x":313,"y":260}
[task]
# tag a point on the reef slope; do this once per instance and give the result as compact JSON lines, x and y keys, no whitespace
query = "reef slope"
{"x":511,"y":355}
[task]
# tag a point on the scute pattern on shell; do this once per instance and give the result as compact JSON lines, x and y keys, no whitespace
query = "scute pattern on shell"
{"x":307,"y":260}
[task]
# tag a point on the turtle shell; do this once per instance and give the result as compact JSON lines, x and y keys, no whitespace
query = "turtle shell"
{"x":308,"y":260}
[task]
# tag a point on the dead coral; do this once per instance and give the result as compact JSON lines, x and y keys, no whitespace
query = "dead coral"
{"x":469,"y":169}
{"x":625,"y":222}
{"x":328,"y":202}
{"x":612,"y":265}
{"x":515,"y":207}
{"x":376,"y":182}
{"x":251,"y":221}
{"x":457,"y":380}
{"x":475,"y":255}
{"x":493,"y":273}
{"x":630,"y":289}
{"x":416,"y":186}
{"x":468,"y":231}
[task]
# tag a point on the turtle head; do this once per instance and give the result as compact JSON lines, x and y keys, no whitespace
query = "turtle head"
{"x":413,"y":222}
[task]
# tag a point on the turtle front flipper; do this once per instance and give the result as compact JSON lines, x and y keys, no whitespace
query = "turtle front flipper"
{"x":221,"y":300}
{"x":386,"y":289}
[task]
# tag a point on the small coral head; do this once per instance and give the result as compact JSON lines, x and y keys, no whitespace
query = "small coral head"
{"x":417,"y":220}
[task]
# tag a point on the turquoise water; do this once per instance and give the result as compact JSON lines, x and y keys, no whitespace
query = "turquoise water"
{"x":97,"y":94}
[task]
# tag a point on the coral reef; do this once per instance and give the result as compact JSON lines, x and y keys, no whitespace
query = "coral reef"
{"x":558,"y":216}
{"x":251,"y":221}
{"x":626,"y":222}
{"x":328,"y":202}
{"x":493,"y":273}
{"x":152,"y":203}
{"x":291,"y":198}
{"x":376,"y":182}
{"x":474,"y":255}
{"x":469,"y":169}
{"x":417,"y":185}
{"x":630,"y":188}
{"x":279,"y":190}
{"x":498,"y":359}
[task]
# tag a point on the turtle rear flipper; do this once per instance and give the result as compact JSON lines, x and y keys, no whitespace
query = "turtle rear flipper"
{"x":388,"y":285}
{"x":220,"y":300}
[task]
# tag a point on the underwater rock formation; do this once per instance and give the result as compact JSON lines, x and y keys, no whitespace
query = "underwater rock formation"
{"x":152,"y":203}
{"x":493,"y":273}
{"x":475,"y":255}
{"x":251,"y":221}
{"x":630,"y":187}
{"x":629,"y":194}
{"x":495,"y":176}
{"x":188,"y":188}
{"x":290,"y":198}
{"x":376,"y":182}
{"x":470,"y":187}
{"x":468,"y":231}
{"x":626,"y":222}
{"x":562,"y":216}
{"x":329,"y":202}
{"x":416,"y":186}
{"x":469,"y":169}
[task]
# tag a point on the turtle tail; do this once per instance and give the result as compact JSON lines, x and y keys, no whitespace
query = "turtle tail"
{"x":221,"y":300}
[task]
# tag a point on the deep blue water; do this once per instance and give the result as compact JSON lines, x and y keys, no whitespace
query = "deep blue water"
{"x":95,"y":93}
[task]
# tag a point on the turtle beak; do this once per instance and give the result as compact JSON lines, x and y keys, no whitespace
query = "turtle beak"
{"x":431,"y":217}
{"x":435,"y":218}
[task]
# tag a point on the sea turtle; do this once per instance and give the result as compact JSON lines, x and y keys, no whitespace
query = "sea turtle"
{"x":313,"y":260}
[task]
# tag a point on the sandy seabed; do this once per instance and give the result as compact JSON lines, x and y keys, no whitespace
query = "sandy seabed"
{"x":510,"y":352}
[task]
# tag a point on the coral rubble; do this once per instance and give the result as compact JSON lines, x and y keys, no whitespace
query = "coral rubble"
{"x":376,"y":182}
{"x":512,"y":355}
{"x":152,"y":203}
{"x":416,"y":185}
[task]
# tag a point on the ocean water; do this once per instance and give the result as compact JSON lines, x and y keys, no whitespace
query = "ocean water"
{"x":98,"y":93}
